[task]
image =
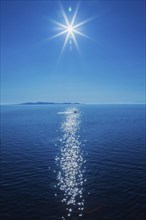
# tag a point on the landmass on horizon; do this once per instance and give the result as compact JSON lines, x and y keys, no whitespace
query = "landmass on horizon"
{"x":48,"y":103}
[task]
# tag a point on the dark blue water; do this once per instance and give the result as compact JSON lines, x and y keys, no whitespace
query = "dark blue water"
{"x":65,"y":162}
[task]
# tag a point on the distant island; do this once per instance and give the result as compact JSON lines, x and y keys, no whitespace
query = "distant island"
{"x":47,"y":103}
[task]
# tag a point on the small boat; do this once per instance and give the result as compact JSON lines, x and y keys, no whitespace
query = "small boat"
{"x":75,"y":111}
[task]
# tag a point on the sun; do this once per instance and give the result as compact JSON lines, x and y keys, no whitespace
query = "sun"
{"x":70,"y":28}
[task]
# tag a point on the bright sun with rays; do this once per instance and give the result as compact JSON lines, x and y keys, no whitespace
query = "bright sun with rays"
{"x":70,"y":28}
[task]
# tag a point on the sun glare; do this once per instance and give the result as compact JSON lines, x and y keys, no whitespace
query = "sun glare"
{"x":70,"y":28}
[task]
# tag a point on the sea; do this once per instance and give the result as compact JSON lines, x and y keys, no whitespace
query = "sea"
{"x":70,"y":162}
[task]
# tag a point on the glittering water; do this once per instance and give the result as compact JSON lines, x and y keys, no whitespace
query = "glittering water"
{"x":70,"y":175}
{"x":49,"y":172}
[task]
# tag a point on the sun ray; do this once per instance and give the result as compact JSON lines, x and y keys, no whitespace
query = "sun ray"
{"x":59,"y":24}
{"x":75,"y":41}
{"x":83,"y":22}
{"x":65,"y":42}
{"x":75,"y":14}
{"x":64,"y":15}
{"x":83,"y":35}
{"x":57,"y":35}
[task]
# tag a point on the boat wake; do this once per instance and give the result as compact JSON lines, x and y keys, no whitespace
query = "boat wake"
{"x":69,"y":111}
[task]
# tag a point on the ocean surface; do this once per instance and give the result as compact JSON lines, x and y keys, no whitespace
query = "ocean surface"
{"x":62,"y":162}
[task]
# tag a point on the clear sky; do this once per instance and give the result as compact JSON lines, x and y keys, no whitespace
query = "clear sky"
{"x":108,"y":69}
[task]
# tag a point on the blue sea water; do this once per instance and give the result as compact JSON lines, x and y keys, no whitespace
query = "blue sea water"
{"x":73,"y":162}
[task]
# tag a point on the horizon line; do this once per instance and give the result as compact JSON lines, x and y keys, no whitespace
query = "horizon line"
{"x":78,"y":103}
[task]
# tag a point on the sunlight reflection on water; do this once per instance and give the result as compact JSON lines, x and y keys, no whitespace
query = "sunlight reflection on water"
{"x":70,"y":175}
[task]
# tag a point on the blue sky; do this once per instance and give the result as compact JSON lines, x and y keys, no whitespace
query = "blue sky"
{"x":108,"y":69}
